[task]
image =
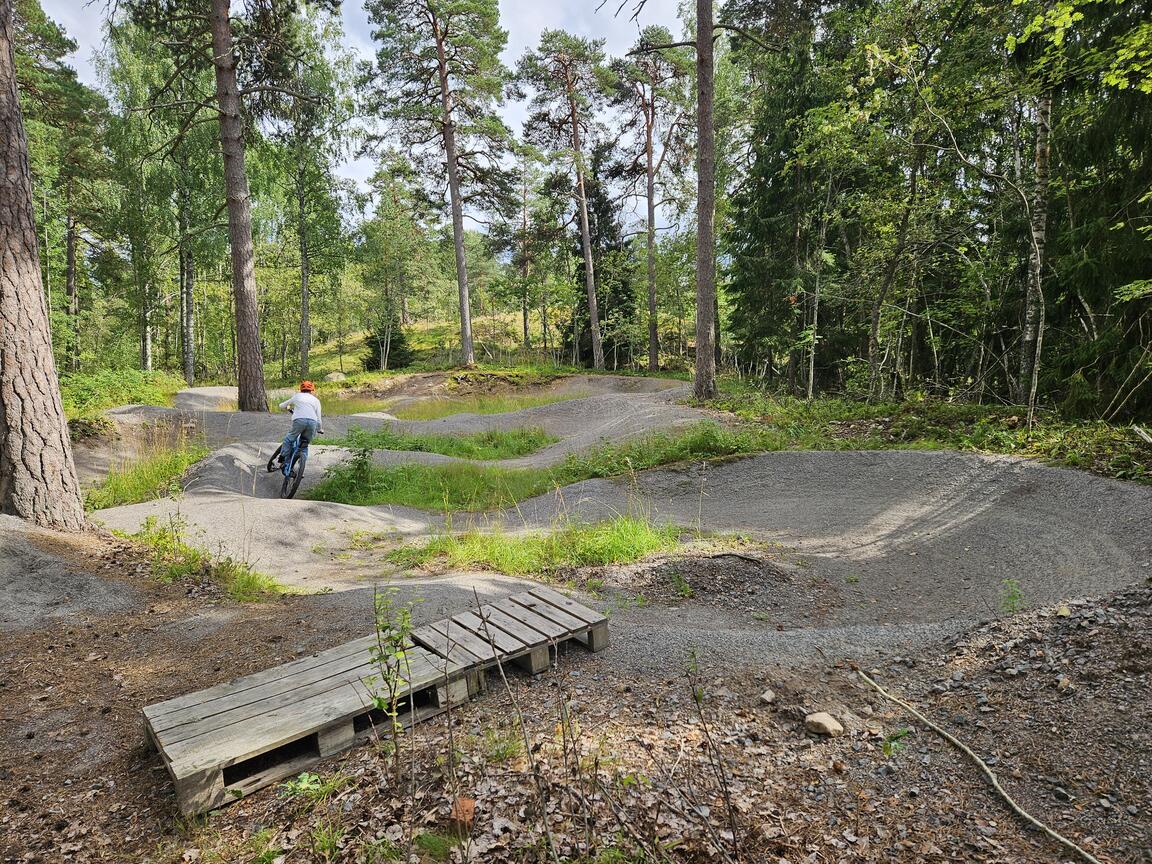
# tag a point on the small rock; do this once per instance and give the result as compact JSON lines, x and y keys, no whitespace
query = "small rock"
{"x":1105,"y":803}
{"x":1063,"y":612}
{"x":1065,"y":683}
{"x":1132,"y":809}
{"x":335,"y":376}
{"x":1062,"y":794}
{"x":767,"y":697}
{"x":823,"y":723}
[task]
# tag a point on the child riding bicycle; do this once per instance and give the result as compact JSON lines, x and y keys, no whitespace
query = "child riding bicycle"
{"x":307,"y":419}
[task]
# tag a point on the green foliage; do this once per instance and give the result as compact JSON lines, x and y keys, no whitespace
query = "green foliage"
{"x":894,"y":742}
{"x":621,"y":540}
{"x":494,"y":403}
{"x":502,"y":745}
{"x":312,"y":787}
{"x":325,"y":839}
{"x":85,"y":395}
{"x":844,"y":424}
{"x":388,"y":685}
{"x":173,"y":559}
{"x":1011,"y":597}
{"x":387,"y":348}
{"x":487,"y":445}
{"x":155,"y":474}
{"x":438,"y":847}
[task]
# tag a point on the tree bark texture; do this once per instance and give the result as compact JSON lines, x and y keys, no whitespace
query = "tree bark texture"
{"x":37,"y":475}
{"x":249,"y":359}
{"x":1034,"y":295}
{"x":653,"y":327}
{"x":305,"y":273}
{"x":705,"y":385}
{"x":448,"y":125}
{"x":585,"y":232}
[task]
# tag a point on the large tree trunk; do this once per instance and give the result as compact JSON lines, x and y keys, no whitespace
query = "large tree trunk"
{"x":705,"y":386}
{"x":653,"y":328}
{"x":249,"y":360}
{"x":73,"y":295}
{"x":37,"y":476}
{"x":305,"y":272}
{"x":585,"y":234}
{"x":468,"y":353}
{"x":1030,"y":339}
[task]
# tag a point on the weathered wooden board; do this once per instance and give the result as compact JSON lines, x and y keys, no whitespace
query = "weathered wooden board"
{"x":226,"y":741}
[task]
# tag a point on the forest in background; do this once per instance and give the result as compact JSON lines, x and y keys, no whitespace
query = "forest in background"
{"x":949,"y":199}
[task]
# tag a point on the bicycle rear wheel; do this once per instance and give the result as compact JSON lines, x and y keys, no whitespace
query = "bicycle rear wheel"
{"x":292,"y":479}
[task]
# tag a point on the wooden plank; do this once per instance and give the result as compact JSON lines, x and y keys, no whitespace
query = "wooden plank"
{"x":468,"y":640}
{"x":531,"y":619}
{"x":421,"y":669}
{"x":503,"y":621}
{"x":569,"y":623}
{"x":504,"y":642}
{"x":275,"y":682}
{"x":237,"y":685}
{"x":279,"y":726}
{"x":588,"y":616}
{"x":436,"y":642}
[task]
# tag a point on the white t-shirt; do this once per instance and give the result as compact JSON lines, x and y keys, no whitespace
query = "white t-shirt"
{"x":304,"y":406}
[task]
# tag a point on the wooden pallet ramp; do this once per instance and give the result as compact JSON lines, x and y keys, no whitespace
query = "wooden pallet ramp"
{"x":222,"y":743}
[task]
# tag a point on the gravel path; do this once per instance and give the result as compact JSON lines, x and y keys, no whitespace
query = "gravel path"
{"x":913,"y":544}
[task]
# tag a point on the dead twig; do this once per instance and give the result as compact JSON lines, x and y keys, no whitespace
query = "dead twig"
{"x":988,"y":772}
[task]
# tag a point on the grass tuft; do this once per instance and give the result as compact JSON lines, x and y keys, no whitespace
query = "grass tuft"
{"x":85,"y":395}
{"x":156,"y":474}
{"x":616,"y":541}
{"x":486,"y":403}
{"x":174,"y":560}
{"x":487,"y":445}
{"x":474,"y":487}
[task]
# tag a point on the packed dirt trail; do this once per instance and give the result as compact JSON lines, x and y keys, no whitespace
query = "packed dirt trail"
{"x":892,"y":561}
{"x":897,"y":546}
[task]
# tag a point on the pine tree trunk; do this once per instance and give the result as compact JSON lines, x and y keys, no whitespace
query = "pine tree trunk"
{"x":70,"y":284}
{"x":585,"y":234}
{"x":37,"y":476}
{"x":1034,"y":297}
{"x":249,"y":359}
{"x":305,"y":272}
{"x":468,"y":353}
{"x":653,"y":327}
{"x":705,"y":385}
{"x":187,"y":291}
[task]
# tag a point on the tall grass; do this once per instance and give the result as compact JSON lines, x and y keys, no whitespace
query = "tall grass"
{"x":474,"y":487}
{"x":487,"y":445}
{"x":155,"y":474}
{"x":431,"y":487}
{"x":616,"y":541}
{"x":173,"y":559}
{"x":487,"y":403}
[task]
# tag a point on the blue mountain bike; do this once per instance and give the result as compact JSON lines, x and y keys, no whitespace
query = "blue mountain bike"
{"x":292,"y":468}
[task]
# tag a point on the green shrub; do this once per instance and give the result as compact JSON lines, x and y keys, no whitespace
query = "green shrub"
{"x":87,"y":394}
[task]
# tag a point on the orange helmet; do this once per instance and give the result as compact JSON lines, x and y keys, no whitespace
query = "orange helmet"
{"x":307,"y":387}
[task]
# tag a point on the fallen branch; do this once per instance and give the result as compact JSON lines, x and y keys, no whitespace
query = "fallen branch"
{"x":1142,"y":433}
{"x":988,"y":772}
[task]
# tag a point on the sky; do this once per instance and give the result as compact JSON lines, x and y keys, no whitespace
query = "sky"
{"x":523,"y":19}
